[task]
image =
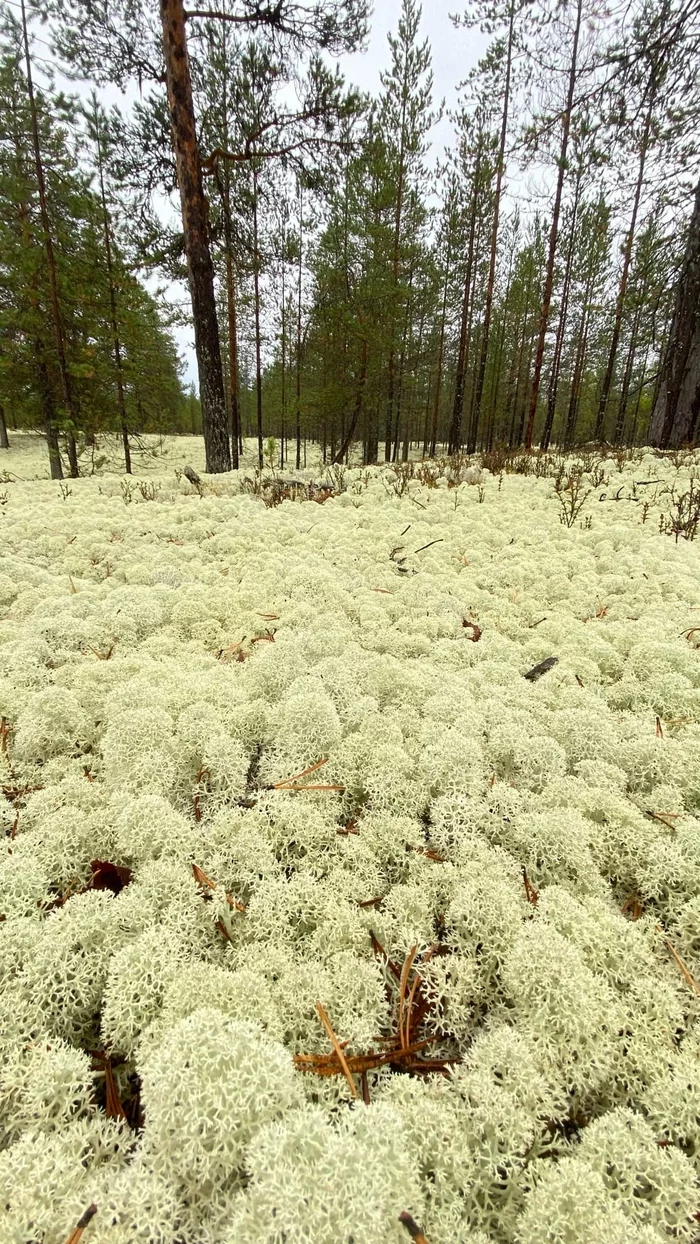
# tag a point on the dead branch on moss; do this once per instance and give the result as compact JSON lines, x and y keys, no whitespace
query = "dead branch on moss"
{"x":470,"y":624}
{"x":428,"y":852}
{"x":5,"y":744}
{"x":200,"y":776}
{"x":633,"y":907}
{"x":402,"y":1046}
{"x":412,"y":1227}
{"x":665,"y":818}
{"x":538,"y":670}
{"x":83,"y":1221}
{"x":225,"y":654}
{"x":531,"y":894}
{"x":350,"y":828}
{"x":102,"y":656}
{"x":206,"y":882}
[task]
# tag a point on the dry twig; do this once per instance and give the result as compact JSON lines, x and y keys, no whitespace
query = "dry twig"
{"x":665,"y":818}
{"x":412,"y":1227}
{"x":76,"y":1236}
{"x":531,"y":894}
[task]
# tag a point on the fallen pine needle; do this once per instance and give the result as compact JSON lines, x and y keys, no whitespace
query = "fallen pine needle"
{"x":680,"y":963}
{"x":75,"y":1236}
{"x":308,"y":787}
{"x":201,"y":878}
{"x":304,"y":773}
{"x":225,"y":653}
{"x":293,"y":783}
{"x":412,"y":1227}
{"x":113,"y":1106}
{"x":337,"y":1047}
{"x":427,"y":546}
{"x":405,"y":971}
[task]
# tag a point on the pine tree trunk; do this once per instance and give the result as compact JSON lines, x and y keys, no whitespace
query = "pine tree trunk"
{"x":455,"y":432}
{"x":357,"y":408}
{"x":561,"y":325}
{"x":640,"y":390}
{"x":256,"y":299}
{"x":50,"y":257}
{"x":284,"y":362}
{"x":677,"y":402}
{"x":233,"y":361}
{"x":576,"y":380}
{"x":624,"y":276}
{"x":196,"y":233}
{"x":116,"y":343}
{"x":232,"y":332}
{"x":441,"y":351}
{"x":553,"y":235}
{"x":627,"y":376}
{"x":48,"y":410}
{"x":481,"y":373}
{"x":298,"y":359}
{"x":4,"y":441}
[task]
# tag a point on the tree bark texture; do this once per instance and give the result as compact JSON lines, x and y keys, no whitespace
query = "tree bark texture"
{"x":553,"y":234}
{"x":195,"y":226}
{"x":624,"y":276}
{"x":50,"y":261}
{"x":677,"y":404}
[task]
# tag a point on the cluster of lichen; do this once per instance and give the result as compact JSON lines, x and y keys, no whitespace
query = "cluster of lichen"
{"x":164,"y":667}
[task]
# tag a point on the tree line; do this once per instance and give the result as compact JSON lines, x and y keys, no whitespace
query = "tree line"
{"x":535,"y":283}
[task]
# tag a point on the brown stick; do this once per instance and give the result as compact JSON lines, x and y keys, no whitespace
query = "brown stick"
{"x":412,"y":1227}
{"x":75,"y":1236}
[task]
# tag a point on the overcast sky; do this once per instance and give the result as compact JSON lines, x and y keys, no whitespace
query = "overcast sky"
{"x":455,"y":52}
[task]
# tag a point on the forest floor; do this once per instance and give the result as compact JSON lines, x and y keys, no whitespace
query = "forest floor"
{"x":352,"y":853}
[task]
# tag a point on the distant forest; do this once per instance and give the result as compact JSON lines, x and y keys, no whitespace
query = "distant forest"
{"x":536,"y":283}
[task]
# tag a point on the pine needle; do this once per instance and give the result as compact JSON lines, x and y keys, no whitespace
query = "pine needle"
{"x":337,"y":1047}
{"x":304,"y":773}
{"x":201,"y":878}
{"x":680,"y":963}
{"x":113,"y":1105}
{"x":405,"y":971}
{"x":294,"y":783}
